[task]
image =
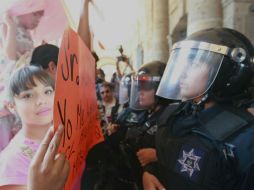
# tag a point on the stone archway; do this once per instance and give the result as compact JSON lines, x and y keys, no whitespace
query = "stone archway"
{"x":107,"y":64}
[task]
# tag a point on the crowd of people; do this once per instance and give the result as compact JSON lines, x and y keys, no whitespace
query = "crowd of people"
{"x":187,"y":124}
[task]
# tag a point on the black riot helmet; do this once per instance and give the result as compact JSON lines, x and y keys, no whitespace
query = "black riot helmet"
{"x":216,"y":62}
{"x":144,"y":84}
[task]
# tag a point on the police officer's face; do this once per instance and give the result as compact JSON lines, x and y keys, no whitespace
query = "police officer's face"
{"x":146,"y":98}
{"x":194,"y":82}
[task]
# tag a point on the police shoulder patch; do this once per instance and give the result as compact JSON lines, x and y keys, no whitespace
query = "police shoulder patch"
{"x":190,"y":161}
{"x":132,"y":118}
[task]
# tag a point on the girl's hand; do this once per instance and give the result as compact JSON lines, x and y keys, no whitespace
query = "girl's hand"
{"x":8,"y":20}
{"x":49,"y":170}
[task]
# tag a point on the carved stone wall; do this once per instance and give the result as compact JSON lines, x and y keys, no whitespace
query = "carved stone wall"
{"x":203,"y":14}
{"x":156,"y":31}
{"x":238,"y":15}
{"x":168,"y":21}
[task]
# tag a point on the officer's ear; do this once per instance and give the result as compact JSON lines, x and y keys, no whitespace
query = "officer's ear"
{"x":52,"y":67}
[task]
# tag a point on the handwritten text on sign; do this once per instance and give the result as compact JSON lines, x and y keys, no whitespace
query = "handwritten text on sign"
{"x":75,"y":102}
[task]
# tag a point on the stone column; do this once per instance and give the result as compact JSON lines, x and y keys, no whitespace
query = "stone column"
{"x":238,"y":15}
{"x":203,"y":14}
{"x":156,"y":42}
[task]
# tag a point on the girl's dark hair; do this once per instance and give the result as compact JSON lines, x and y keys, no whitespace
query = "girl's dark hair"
{"x":23,"y":79}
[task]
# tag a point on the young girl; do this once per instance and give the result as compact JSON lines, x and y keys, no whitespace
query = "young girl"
{"x":16,"y":44}
{"x":32,"y":95}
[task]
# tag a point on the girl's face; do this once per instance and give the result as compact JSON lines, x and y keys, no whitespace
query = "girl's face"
{"x":31,"y":20}
{"x":35,"y":106}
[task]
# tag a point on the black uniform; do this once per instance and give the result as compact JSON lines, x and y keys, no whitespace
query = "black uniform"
{"x":118,"y":167}
{"x":210,"y":150}
{"x":105,"y":163}
{"x":133,"y":138}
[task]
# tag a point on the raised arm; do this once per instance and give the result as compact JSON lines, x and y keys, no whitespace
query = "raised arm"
{"x":83,"y":29}
{"x":8,"y":39}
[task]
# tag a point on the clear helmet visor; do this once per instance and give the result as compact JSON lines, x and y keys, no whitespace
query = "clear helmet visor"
{"x":143,"y":89}
{"x":190,"y":72}
{"x":124,"y":89}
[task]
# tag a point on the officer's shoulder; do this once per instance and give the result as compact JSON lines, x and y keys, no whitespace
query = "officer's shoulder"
{"x":229,"y":121}
{"x":244,"y":114}
{"x":169,"y":111}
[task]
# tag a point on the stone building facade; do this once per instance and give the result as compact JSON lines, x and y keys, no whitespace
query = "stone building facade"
{"x":167,"y":21}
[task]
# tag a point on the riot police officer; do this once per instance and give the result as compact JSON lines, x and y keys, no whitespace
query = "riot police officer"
{"x":136,"y":142}
{"x":124,"y":98}
{"x":132,"y":146}
{"x":210,"y":146}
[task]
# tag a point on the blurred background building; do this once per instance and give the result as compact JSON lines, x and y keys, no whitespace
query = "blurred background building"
{"x":147,"y":28}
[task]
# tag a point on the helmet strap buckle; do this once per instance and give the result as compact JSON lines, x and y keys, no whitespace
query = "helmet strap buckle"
{"x":198,"y":106}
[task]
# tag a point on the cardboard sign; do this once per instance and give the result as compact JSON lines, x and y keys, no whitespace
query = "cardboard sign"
{"x":75,"y":103}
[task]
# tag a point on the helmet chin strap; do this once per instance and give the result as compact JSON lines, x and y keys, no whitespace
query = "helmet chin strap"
{"x":155,"y":106}
{"x":198,"y":106}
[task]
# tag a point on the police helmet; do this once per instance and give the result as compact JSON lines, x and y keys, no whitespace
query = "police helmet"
{"x":146,"y":81}
{"x":216,"y":62}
